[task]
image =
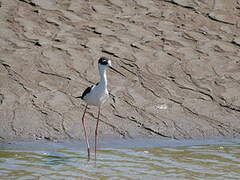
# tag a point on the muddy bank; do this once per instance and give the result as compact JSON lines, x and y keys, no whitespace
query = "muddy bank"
{"x":181,"y":60}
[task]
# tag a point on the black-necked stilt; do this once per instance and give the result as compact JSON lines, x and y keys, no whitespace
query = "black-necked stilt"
{"x":96,"y":95}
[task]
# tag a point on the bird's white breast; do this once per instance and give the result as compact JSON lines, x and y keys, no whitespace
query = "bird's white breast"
{"x":97,"y":96}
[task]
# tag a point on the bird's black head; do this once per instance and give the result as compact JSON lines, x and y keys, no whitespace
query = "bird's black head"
{"x":103,"y":61}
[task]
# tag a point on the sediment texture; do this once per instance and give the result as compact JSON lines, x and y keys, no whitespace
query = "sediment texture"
{"x":180,"y":58}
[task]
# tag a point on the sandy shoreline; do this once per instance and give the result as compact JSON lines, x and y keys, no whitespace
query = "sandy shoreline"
{"x":180,"y":59}
{"x":116,"y":143}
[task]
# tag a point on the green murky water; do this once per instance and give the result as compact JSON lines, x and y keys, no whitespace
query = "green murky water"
{"x":158,"y":160}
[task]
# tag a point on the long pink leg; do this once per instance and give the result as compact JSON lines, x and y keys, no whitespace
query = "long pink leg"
{"x":96,"y":132}
{"x":85,"y":133}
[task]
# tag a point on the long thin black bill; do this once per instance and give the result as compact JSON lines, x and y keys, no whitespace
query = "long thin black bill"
{"x":116,"y":71}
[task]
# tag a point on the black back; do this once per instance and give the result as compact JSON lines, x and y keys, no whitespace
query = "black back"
{"x":86,"y":91}
{"x":103,"y":61}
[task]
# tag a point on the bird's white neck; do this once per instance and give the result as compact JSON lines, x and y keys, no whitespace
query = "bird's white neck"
{"x":103,"y":76}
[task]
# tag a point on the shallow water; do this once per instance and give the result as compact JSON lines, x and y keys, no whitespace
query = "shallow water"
{"x":152,"y":159}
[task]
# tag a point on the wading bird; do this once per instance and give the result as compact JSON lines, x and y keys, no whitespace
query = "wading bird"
{"x":96,"y":95}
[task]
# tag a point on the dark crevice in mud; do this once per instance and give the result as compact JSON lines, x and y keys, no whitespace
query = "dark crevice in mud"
{"x":2,"y":138}
{"x":1,"y":98}
{"x":44,"y":112}
{"x":194,"y":90}
{"x":62,"y":123}
{"x":142,"y":125}
{"x":28,"y":2}
{"x":6,"y":65}
{"x":181,"y":5}
{"x":219,"y":126}
{"x":194,"y":9}
{"x":69,"y":97}
{"x":183,"y":133}
{"x":16,"y":77}
{"x":129,"y":70}
{"x":149,"y":89}
{"x":234,"y":42}
{"x":206,"y":92}
{"x":80,"y":75}
{"x":194,"y":82}
{"x":148,"y":129}
{"x":218,"y":20}
{"x":54,"y":74}
{"x":110,"y":53}
{"x":230,"y":107}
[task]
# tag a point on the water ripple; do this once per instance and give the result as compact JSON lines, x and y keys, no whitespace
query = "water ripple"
{"x":179,"y":162}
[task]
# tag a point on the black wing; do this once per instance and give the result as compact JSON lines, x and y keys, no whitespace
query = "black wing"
{"x":86,"y":91}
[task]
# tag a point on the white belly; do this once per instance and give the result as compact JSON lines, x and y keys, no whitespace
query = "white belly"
{"x":97,"y":96}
